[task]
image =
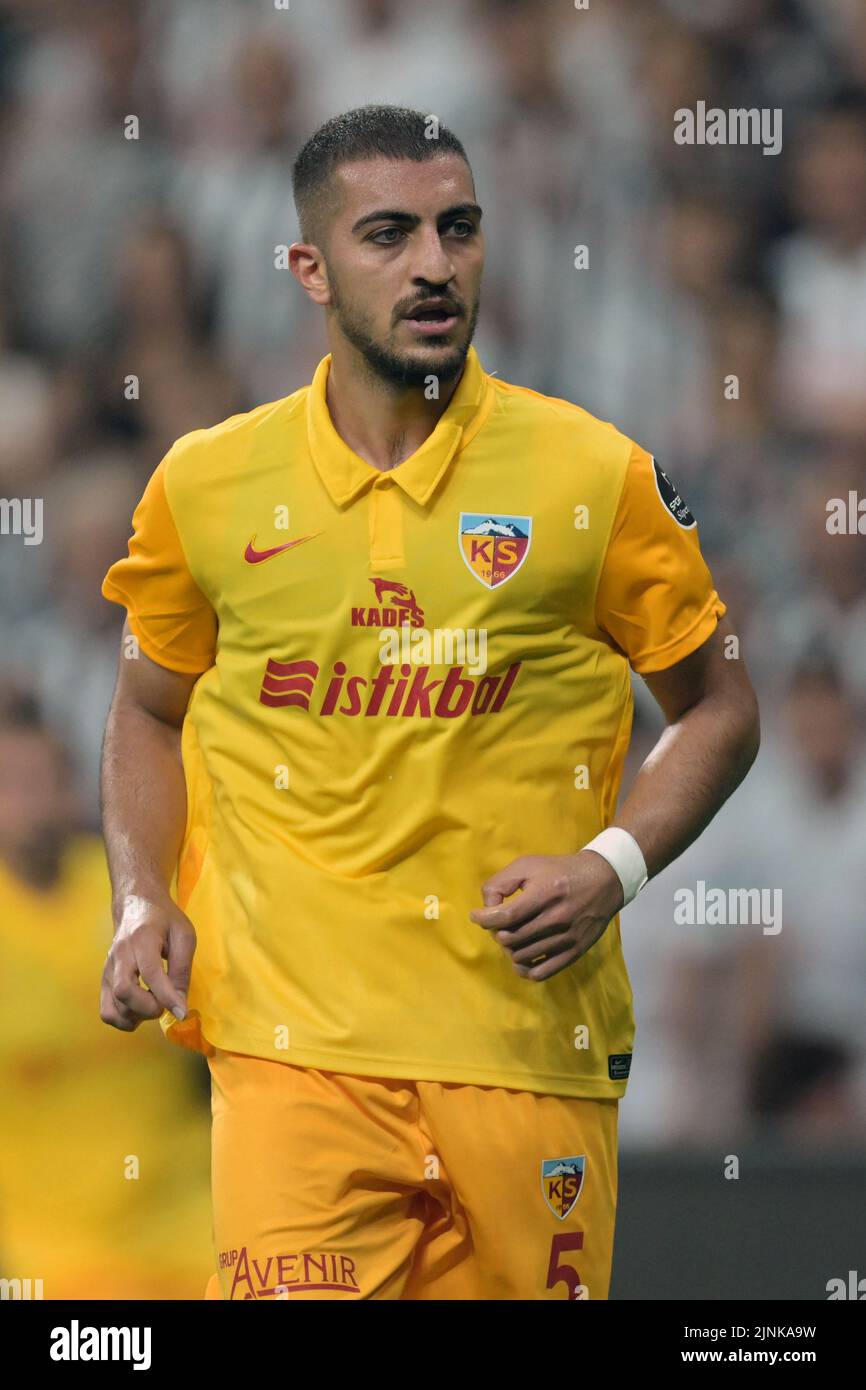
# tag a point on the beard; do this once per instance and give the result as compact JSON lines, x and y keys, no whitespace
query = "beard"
{"x":392,"y":366}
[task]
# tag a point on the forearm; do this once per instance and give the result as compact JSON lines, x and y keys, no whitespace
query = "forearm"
{"x":697,"y":763}
{"x":144,"y":802}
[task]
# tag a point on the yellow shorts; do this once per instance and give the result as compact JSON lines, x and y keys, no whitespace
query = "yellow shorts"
{"x":334,"y":1186}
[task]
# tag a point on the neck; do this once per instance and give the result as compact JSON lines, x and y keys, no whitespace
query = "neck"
{"x":380,"y":421}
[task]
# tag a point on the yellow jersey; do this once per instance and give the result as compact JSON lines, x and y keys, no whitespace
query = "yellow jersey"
{"x":407,"y":680}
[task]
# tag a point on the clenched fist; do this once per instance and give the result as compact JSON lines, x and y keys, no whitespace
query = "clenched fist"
{"x":565,"y":903}
{"x":149,"y":931}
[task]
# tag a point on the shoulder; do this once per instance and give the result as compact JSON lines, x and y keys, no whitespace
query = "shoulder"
{"x":563,"y":420}
{"x":206,"y":455}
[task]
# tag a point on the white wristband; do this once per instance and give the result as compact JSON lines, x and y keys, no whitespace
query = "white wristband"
{"x":623,"y":854}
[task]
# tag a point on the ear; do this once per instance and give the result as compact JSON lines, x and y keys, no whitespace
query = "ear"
{"x":307,"y":264}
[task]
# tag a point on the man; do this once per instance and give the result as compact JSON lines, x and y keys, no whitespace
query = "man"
{"x":385,"y":625}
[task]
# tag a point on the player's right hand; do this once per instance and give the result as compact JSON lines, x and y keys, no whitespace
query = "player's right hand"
{"x":135,"y":986}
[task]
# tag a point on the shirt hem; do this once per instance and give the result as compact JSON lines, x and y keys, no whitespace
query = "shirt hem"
{"x":662,"y":658}
{"x":354,"y":1064}
{"x":151,"y":649}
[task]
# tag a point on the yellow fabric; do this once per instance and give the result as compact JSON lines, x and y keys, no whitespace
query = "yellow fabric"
{"x":82,"y":1104}
{"x":343,"y":814}
{"x":171,"y":618}
{"x":654,"y":597}
{"x":418,"y":1190}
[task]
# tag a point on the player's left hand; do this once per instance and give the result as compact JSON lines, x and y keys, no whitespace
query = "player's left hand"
{"x":564,"y":907}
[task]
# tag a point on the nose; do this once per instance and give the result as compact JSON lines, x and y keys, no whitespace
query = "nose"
{"x":432,"y":265}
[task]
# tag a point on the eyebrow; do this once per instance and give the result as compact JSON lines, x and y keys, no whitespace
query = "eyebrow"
{"x":411,"y":219}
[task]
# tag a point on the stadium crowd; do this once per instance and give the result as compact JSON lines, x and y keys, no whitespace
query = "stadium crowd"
{"x":717,"y":315}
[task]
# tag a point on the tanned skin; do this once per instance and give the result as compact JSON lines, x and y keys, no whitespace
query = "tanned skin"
{"x":402,"y":233}
{"x":144,"y":813}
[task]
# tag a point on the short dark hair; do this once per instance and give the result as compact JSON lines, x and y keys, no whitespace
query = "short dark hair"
{"x":389,"y":132}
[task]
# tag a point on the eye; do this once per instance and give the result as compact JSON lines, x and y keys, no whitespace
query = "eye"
{"x":384,"y":232}
{"x":463,"y":223}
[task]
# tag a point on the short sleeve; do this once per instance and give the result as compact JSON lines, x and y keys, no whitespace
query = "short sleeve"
{"x":655,"y":596}
{"x":168,"y":613}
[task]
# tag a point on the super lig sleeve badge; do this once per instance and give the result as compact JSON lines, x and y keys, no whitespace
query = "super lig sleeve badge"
{"x":672,"y":500}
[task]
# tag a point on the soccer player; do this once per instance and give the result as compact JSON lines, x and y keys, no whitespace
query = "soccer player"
{"x":372,"y":709}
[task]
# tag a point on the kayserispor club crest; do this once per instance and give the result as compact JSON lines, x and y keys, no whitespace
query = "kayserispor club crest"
{"x":561,"y":1183}
{"x":494,"y":545}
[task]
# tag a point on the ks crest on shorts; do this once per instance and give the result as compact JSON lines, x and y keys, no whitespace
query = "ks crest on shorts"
{"x":562,"y":1183}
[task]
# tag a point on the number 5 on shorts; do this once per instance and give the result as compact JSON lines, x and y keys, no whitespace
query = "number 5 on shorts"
{"x":563,"y":1273}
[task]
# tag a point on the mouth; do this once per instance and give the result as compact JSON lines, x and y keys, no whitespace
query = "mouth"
{"x":433,"y":319}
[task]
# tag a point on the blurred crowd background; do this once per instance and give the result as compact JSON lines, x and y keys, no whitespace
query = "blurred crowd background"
{"x":153,"y":258}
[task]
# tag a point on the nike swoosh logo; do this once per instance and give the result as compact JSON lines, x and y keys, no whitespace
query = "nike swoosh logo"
{"x":255,"y":557}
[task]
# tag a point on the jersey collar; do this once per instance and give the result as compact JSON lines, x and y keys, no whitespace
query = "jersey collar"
{"x":346,"y":475}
